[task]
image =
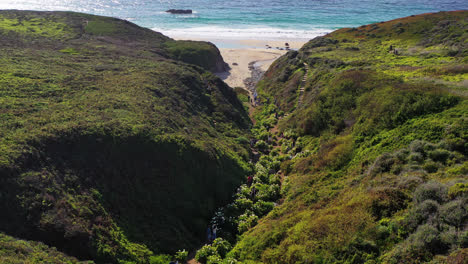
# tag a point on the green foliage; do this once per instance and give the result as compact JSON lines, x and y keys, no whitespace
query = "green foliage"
{"x":374,"y":160}
{"x":160,"y":259}
{"x":101,"y":27}
{"x":17,"y":251}
{"x":433,"y":225}
{"x":431,"y":191}
{"x":213,"y":253}
{"x":181,"y":255}
{"x":204,"y":253}
{"x":98,"y":132}
{"x":203,"y":54}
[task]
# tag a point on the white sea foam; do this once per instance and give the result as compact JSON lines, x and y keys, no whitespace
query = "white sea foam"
{"x":266,"y":33}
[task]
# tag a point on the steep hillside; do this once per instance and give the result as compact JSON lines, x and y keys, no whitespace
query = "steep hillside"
{"x":366,"y":129}
{"x":111,"y":148}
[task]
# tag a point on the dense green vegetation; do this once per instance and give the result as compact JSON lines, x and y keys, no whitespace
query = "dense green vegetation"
{"x":15,"y":251}
{"x":373,"y":163}
{"x":203,"y":54}
{"x":110,"y":150}
{"x":117,"y":149}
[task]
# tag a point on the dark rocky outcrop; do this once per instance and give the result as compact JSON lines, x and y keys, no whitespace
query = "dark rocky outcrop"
{"x":179,"y":11}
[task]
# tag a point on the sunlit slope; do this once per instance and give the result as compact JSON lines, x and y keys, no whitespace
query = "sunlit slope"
{"x":375,"y":142}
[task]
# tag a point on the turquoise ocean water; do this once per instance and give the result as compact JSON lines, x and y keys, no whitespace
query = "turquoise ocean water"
{"x":246,"y":19}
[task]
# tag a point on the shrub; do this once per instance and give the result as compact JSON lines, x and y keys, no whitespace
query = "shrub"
{"x":402,"y":154}
{"x":430,"y":167}
{"x":181,"y":255}
{"x":230,"y":261}
{"x":262,"y":208}
{"x":454,"y":213}
{"x":387,"y":201}
{"x":431,"y":191}
{"x":382,"y":164}
{"x":242,"y":140}
{"x":449,"y":238}
{"x":419,"y":247}
{"x":204,"y":253}
{"x":269,"y":192}
{"x":214,"y":259}
{"x":440,"y":155}
{"x":262,"y":146}
{"x":421,"y":213}
{"x":242,"y":204}
{"x":246,"y":221}
{"x":458,"y":190}
{"x":409,"y":182}
{"x":221,"y":246}
{"x":427,"y":238}
{"x":416,"y":157}
{"x":417,"y":146}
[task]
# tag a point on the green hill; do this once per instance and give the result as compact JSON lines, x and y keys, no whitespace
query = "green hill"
{"x":366,"y":128}
{"x":115,"y":147}
{"x":111,"y":147}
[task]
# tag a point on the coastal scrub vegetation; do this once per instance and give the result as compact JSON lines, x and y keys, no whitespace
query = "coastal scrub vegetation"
{"x":371,"y":165}
{"x":111,"y":148}
{"x":117,"y":148}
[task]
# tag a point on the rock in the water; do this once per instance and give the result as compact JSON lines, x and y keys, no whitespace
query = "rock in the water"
{"x":179,"y":11}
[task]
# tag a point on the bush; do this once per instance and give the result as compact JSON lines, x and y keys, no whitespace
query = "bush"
{"x":416,"y":157}
{"x":269,"y":192}
{"x":221,"y":246}
{"x":458,"y":190}
{"x":427,"y":238}
{"x":262,"y":208}
{"x":454,"y":213}
{"x":242,"y":204}
{"x":402,"y":154}
{"x":431,"y":191}
{"x":431,"y":167}
{"x":382,"y":164}
{"x":213,"y":253}
{"x":262,"y":146}
{"x":440,"y":155}
{"x":449,"y":238}
{"x":246,"y":221}
{"x":421,"y":213}
{"x":214,"y":259}
{"x":417,"y":146}
{"x":242,"y":140}
{"x":181,"y":255}
{"x":387,"y":201}
{"x":204,"y":253}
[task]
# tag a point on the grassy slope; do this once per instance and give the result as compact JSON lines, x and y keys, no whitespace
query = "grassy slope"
{"x":15,"y":251}
{"x":377,"y":168}
{"x":109,"y":149}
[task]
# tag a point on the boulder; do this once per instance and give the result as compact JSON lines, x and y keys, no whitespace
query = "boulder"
{"x":179,"y":11}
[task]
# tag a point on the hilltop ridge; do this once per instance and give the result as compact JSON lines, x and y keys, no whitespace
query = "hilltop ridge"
{"x":110,"y":135}
{"x":365,"y":130}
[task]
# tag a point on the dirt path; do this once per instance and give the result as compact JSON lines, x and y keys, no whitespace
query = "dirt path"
{"x":301,"y":87}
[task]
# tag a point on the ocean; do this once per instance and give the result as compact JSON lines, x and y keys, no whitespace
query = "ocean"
{"x":246,"y":19}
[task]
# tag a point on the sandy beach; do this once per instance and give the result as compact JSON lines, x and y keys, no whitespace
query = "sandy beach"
{"x":239,"y":53}
{"x":239,"y":59}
